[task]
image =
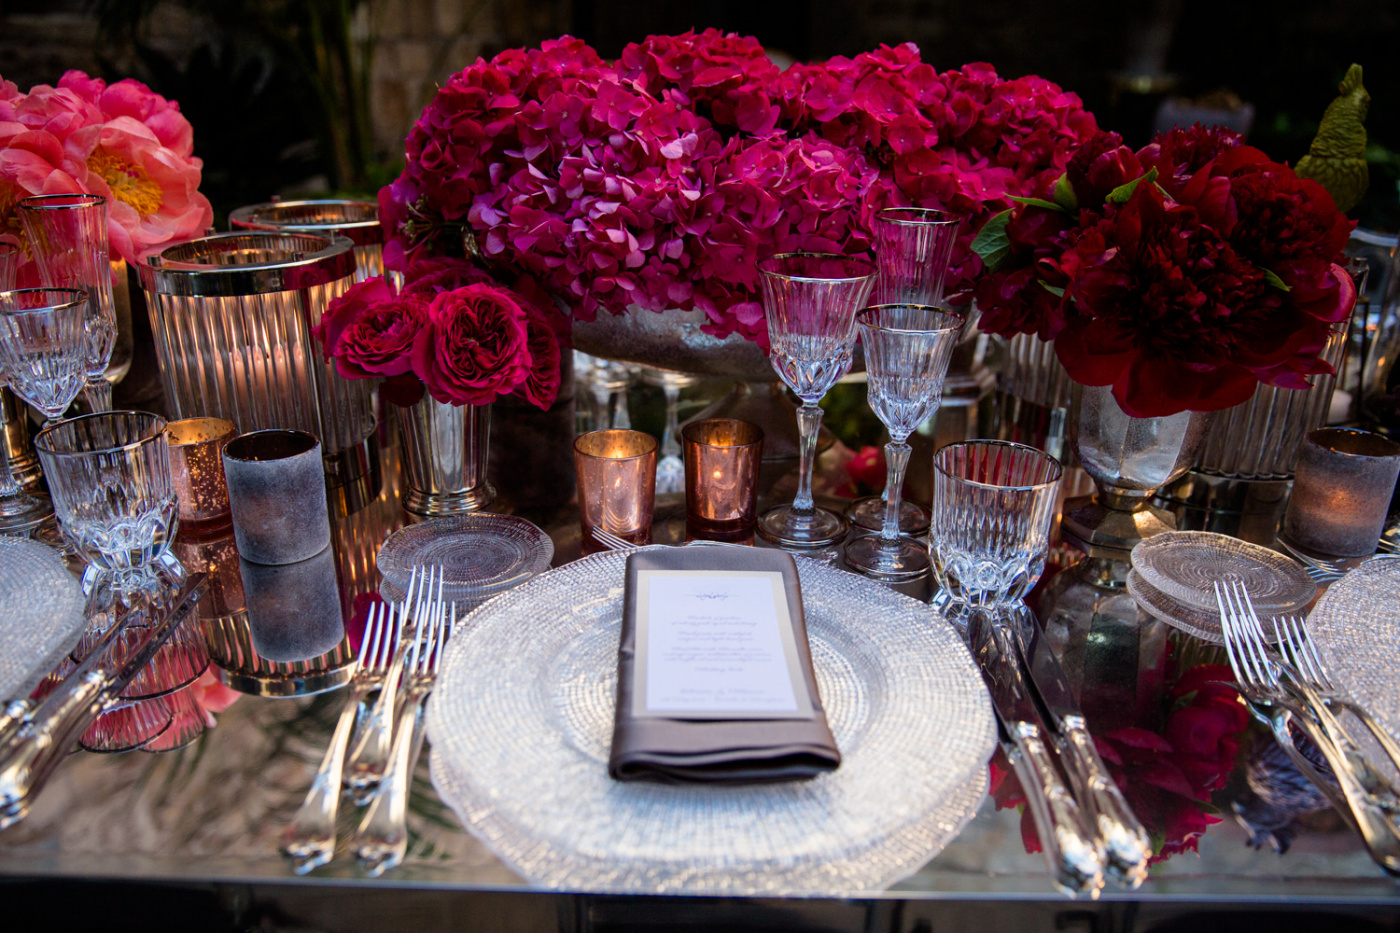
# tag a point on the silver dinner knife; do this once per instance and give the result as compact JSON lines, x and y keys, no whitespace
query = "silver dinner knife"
{"x":1126,"y":843}
{"x":32,"y":752}
{"x":1071,"y":849}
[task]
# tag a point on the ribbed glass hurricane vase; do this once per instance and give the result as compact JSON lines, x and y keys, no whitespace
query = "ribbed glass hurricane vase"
{"x":232,"y":317}
{"x":358,"y":221}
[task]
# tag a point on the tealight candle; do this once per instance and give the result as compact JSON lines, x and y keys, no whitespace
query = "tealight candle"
{"x":197,"y":467}
{"x":1341,"y":492}
{"x":722,"y":458}
{"x":616,"y":485}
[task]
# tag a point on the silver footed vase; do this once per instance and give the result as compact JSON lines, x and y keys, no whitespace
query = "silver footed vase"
{"x":1128,"y":459}
{"x":445,"y":450}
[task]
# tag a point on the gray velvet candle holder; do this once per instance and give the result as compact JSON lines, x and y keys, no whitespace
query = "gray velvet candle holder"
{"x":294,"y":611}
{"x":277,"y":493}
{"x":1341,"y":492}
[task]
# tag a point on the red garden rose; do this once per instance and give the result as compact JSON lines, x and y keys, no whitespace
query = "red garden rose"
{"x":473,"y":345}
{"x":349,"y":308}
{"x":379,"y":341}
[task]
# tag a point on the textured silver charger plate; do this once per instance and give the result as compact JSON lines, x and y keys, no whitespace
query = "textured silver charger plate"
{"x":1184,"y":565}
{"x":521,"y":722}
{"x":1356,"y":625}
{"x":41,"y":614}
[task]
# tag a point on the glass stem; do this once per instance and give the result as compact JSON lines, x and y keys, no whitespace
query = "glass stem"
{"x":897,"y":460}
{"x":8,"y":486}
{"x":809,"y":423}
{"x":670,"y":447}
{"x":98,"y":393}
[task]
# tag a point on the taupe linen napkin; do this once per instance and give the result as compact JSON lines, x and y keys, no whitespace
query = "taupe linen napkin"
{"x":717,"y":750}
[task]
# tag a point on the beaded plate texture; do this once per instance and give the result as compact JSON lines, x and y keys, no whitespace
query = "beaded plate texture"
{"x":1184,"y":565}
{"x":1356,"y":625}
{"x":41,"y":614}
{"x":521,"y":722}
{"x":480,"y":555}
{"x":1204,"y":625}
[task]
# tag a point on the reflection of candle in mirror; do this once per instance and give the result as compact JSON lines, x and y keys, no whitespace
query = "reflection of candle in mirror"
{"x":616,"y":485}
{"x":1341,"y":492}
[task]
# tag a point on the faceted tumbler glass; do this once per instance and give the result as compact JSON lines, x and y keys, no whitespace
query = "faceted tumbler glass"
{"x":109,"y":475}
{"x":907,"y":350}
{"x":993,"y":505}
{"x":41,"y":346}
{"x":68,"y":233}
{"x":810,"y":300}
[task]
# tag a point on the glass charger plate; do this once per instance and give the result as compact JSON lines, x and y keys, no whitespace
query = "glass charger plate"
{"x":1356,"y":625}
{"x":480,"y":554}
{"x":521,"y":723}
{"x":1183,"y":565}
{"x":41,"y":614}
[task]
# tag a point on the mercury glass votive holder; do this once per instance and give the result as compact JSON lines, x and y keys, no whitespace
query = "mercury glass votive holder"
{"x":1341,"y":492}
{"x":197,"y":467}
{"x":616,"y":485}
{"x":722,"y":459}
{"x":277,"y":496}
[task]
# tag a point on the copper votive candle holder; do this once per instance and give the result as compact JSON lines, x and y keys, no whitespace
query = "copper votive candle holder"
{"x":616,"y":485}
{"x":722,"y":458}
{"x":1341,"y":492}
{"x":197,"y":467}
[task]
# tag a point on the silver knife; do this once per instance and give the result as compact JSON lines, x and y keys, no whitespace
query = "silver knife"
{"x":34,"y":750}
{"x":1126,"y":842}
{"x":1071,"y":849}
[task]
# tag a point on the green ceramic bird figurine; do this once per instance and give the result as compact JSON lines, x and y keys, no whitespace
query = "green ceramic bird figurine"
{"x":1337,"y":157}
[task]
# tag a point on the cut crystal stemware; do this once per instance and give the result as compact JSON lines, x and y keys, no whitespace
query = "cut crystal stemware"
{"x":41,"y":346}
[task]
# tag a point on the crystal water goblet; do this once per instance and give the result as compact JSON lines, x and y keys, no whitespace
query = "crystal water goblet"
{"x":907,"y":350}
{"x":68,"y":234}
{"x":41,"y":346}
{"x":993,"y":505}
{"x":109,"y":474}
{"x":913,"y":249}
{"x":810,"y":300}
{"x":19,"y":511}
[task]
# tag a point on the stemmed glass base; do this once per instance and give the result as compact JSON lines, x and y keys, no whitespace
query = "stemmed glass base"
{"x":898,"y":561}
{"x":21,"y":511}
{"x":790,"y":527}
{"x":868,"y":512}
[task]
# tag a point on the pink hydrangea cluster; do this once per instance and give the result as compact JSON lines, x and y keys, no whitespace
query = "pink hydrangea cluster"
{"x":122,"y":141}
{"x":657,"y":181}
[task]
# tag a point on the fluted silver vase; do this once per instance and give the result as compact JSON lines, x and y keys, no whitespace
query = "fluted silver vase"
{"x":444,"y":457}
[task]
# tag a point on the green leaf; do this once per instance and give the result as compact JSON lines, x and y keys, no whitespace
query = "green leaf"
{"x":1057,"y":292}
{"x":992,"y":243}
{"x":1272,"y":278}
{"x":1064,"y":194}
{"x":1123,"y":192}
{"x":1039,"y":202}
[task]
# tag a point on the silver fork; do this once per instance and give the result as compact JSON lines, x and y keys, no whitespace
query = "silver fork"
{"x":611,"y":541}
{"x":1257,"y":677}
{"x":1300,"y":651}
{"x":382,"y":839}
{"x":369,"y":757}
{"x":310,"y":839}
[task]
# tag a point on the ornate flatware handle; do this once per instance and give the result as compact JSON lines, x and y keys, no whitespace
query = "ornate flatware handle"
{"x":1126,"y":843}
{"x":1071,"y":850}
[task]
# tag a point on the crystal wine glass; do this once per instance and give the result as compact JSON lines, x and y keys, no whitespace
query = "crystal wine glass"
{"x":913,"y":248}
{"x":68,"y":233}
{"x":42,"y":346}
{"x":19,"y":511}
{"x":907,"y":350}
{"x":810,"y":300}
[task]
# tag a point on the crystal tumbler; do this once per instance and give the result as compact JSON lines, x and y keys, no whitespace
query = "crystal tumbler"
{"x":232,"y":317}
{"x":109,"y":476}
{"x":722,"y":459}
{"x":993,"y":504}
{"x":357,"y":221}
{"x":616,"y":485}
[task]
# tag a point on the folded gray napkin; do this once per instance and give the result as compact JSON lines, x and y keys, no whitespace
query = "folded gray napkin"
{"x":704,"y":748}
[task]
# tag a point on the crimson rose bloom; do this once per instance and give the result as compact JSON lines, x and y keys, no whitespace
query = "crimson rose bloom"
{"x":379,"y":342}
{"x":473,"y":345}
{"x":349,"y":308}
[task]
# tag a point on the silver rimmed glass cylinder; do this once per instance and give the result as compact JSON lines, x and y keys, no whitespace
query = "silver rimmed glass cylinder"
{"x":110,"y":479}
{"x":907,"y":349}
{"x":810,"y":300}
{"x":232,"y":316}
{"x":357,"y":221}
{"x":68,"y":235}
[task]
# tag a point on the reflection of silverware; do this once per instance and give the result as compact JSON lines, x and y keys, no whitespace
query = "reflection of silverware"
{"x":1300,"y":653}
{"x":32,"y":752}
{"x":1125,"y":840}
{"x":310,"y":840}
{"x":1258,"y":679}
{"x":382,"y":839}
{"x":1076,"y":865}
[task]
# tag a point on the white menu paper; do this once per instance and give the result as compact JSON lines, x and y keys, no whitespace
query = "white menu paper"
{"x":716,"y":645}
